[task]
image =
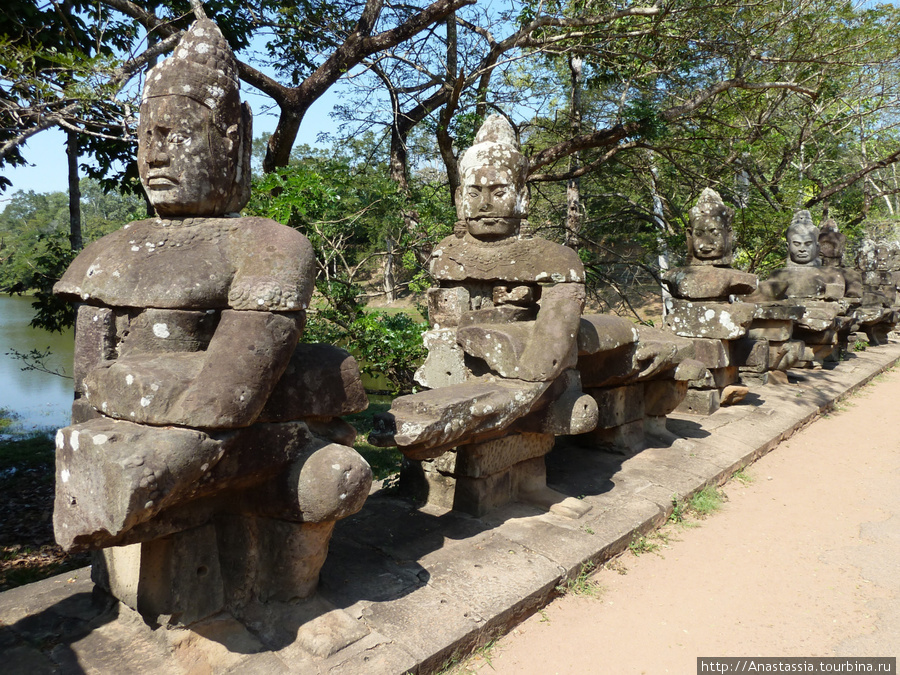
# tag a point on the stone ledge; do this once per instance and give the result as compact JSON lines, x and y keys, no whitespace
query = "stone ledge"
{"x":406,"y":589}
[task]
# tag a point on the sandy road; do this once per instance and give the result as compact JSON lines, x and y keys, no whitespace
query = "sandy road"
{"x":802,"y":561}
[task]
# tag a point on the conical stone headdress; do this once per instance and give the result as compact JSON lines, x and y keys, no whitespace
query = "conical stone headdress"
{"x":204,"y":69}
{"x":495,"y":145}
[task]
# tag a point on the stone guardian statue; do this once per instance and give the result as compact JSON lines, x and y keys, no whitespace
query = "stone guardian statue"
{"x":199,"y":452}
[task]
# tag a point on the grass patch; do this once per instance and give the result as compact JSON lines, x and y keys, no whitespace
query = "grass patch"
{"x":706,"y":501}
{"x":742,"y":477}
{"x":641,"y":544}
{"x":459,"y":665}
{"x":679,"y":511}
{"x":582,"y":585}
{"x":384,"y":461}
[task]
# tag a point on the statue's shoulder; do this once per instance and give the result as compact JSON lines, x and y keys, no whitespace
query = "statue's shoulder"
{"x":527,"y":260}
{"x":94,"y":257}
{"x":275,"y":266}
{"x":556,"y":261}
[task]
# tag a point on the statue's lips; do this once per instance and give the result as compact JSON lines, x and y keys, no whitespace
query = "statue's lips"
{"x":492,"y":220}
{"x":161,"y":182}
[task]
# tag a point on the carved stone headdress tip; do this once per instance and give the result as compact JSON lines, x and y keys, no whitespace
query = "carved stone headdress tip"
{"x":496,"y":145}
{"x":710,"y":204}
{"x":202,"y":68}
{"x":802,"y":219}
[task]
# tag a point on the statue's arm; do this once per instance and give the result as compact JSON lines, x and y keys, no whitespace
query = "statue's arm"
{"x":249,"y":352}
{"x":553,"y":344}
{"x":225,"y":386}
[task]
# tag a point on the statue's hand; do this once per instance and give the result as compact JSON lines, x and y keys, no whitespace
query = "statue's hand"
{"x":145,"y":388}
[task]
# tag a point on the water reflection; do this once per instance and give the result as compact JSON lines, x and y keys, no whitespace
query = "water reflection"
{"x":40,"y":400}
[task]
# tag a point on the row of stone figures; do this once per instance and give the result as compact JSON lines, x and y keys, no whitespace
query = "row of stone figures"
{"x":801,"y":316}
{"x":207,"y":461}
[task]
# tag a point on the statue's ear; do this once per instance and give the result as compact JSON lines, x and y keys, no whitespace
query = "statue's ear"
{"x":241,"y":137}
{"x":526,"y":200}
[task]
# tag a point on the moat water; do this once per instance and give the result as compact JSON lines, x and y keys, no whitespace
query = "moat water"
{"x":39,"y":401}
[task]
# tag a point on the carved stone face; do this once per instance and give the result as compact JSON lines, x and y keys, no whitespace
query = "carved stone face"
{"x":709,"y":239}
{"x":803,"y":246}
{"x":187,"y":165}
{"x":490,"y":203}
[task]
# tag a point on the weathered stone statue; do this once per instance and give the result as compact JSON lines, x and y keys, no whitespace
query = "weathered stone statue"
{"x":879,"y":266}
{"x":206,"y":446}
{"x":832,"y":243}
{"x":703,"y":307}
{"x":819,"y":290}
{"x":502,"y":348}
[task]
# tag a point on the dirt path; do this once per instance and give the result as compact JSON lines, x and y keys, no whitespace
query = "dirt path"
{"x":804,"y":560}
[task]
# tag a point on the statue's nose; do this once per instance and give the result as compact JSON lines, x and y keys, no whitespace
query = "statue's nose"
{"x":157,"y":154}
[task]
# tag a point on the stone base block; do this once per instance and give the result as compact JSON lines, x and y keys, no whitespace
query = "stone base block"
{"x":626,"y":439}
{"x":188,"y":576}
{"x":751,"y":354}
{"x":753,"y":378}
{"x":700,"y":402}
{"x":618,"y":405}
{"x":491,"y":457}
{"x":717,"y":378}
{"x":814,"y":355}
{"x":422,"y":481}
{"x":784,"y":355}
{"x":480,"y":477}
{"x":710,"y":319}
{"x":661,"y":397}
{"x":819,"y":337}
{"x":771,"y":329}
{"x":174,"y":580}
{"x":878,"y":334}
{"x":712,"y":353}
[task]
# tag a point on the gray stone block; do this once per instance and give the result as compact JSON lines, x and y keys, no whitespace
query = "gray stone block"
{"x":705,"y":319}
{"x":700,"y":402}
{"x":712,"y":353}
{"x":618,"y":405}
{"x":661,"y":397}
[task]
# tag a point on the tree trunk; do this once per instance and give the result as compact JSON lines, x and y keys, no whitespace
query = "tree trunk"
{"x":75,"y":239}
{"x":573,"y":185}
{"x":659,"y":218}
{"x":389,"y":283}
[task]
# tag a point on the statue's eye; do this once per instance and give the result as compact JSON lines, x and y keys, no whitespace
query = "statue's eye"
{"x":176,"y":137}
{"x":500,"y":192}
{"x":474,"y":193}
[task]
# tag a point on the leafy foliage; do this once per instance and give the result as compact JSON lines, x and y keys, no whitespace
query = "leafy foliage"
{"x":34,"y":243}
{"x":348,"y":207}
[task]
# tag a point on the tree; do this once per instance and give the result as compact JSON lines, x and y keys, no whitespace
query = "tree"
{"x":35,"y":248}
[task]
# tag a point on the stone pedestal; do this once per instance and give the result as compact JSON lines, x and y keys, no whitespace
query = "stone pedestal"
{"x":193,"y":574}
{"x":480,"y":477}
